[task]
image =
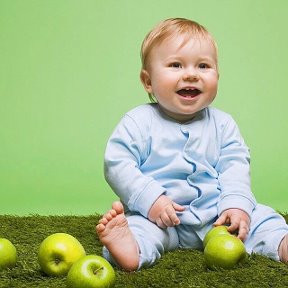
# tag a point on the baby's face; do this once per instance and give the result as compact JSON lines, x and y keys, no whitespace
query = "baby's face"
{"x":182,"y":76}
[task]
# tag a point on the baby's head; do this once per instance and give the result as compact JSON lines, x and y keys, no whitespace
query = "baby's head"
{"x":168,"y":29}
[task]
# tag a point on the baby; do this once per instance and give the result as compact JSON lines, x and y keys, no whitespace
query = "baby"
{"x":178,"y":165}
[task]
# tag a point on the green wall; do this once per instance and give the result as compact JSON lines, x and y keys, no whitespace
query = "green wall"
{"x":69,"y":70}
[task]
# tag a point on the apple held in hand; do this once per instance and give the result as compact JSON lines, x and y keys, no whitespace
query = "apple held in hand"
{"x":224,"y":251}
{"x":215,"y":231}
{"x":8,"y":254}
{"x":91,"y":271}
{"x":58,"y":252}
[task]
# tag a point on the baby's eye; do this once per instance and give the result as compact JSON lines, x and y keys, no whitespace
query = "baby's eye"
{"x":203,"y":66}
{"x":175,"y":65}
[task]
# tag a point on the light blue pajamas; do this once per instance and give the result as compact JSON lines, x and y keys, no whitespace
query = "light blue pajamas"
{"x":202,"y":164}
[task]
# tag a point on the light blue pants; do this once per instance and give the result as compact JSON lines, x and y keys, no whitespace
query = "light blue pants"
{"x":266,"y":232}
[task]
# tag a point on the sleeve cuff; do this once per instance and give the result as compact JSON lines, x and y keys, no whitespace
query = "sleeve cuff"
{"x":239,"y":202}
{"x":146,"y":199}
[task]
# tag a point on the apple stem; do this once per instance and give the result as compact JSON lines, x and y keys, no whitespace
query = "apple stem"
{"x":96,"y":271}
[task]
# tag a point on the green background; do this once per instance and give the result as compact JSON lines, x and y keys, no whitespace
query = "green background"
{"x":70,"y":69}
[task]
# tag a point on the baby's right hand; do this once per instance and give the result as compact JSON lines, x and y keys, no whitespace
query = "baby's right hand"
{"x":163,"y":212}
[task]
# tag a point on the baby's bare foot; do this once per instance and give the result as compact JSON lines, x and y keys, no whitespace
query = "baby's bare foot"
{"x":115,"y":235}
{"x":283,"y":250}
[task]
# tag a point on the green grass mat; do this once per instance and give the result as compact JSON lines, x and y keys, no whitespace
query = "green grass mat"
{"x":181,"y":268}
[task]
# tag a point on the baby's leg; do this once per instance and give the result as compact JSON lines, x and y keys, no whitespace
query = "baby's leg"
{"x":146,"y":241}
{"x":283,"y":250}
{"x":114,"y":233}
{"x":268,"y":234}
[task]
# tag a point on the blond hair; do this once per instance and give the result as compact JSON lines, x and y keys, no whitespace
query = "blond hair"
{"x":169,"y":28}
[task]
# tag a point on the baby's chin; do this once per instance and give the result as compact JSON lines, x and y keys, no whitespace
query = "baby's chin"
{"x":181,"y":117}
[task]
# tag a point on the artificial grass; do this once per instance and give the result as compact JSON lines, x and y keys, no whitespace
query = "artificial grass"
{"x":181,"y":268}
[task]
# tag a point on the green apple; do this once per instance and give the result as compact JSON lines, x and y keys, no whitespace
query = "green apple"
{"x":91,"y":271}
{"x":224,"y":251}
{"x":58,"y":252}
{"x":215,"y":231}
{"x":8,"y":254}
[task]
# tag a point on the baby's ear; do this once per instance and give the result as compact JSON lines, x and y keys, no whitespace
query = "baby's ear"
{"x":146,"y":80}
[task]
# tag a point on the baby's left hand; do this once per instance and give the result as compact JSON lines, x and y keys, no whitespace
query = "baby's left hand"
{"x":238,"y":220}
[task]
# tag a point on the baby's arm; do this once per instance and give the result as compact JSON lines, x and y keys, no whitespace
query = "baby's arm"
{"x":163,"y":212}
{"x":236,"y":200}
{"x":238,"y":219}
{"x":126,"y":151}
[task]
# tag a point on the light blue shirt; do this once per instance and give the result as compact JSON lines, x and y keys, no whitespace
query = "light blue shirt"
{"x":202,"y":164}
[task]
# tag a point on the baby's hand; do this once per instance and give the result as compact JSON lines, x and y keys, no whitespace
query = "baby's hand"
{"x":238,"y":220}
{"x":163,"y":212}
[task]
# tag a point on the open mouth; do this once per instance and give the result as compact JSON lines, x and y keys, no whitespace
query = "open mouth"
{"x":189,"y":92}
